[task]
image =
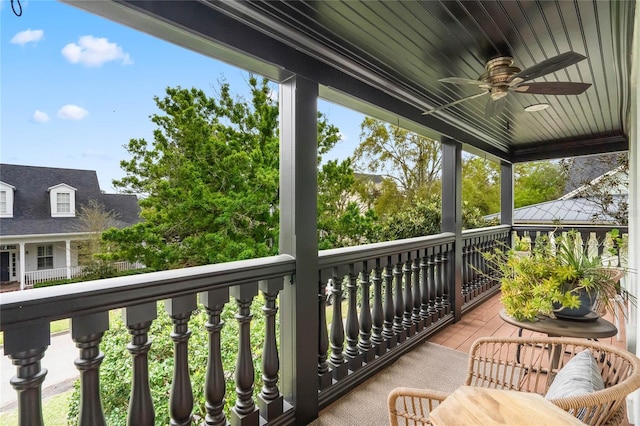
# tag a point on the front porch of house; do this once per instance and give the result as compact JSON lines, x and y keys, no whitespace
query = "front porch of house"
{"x":29,"y":263}
{"x":399,"y":294}
{"x":369,"y":400}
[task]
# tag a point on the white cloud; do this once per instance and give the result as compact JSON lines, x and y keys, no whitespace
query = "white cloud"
{"x":342,"y":136}
{"x":93,"y":52}
{"x":40,"y":117}
{"x":72,"y":112}
{"x":27,"y":36}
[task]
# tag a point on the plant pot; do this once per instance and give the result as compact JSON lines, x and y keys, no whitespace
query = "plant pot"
{"x":586,"y":307}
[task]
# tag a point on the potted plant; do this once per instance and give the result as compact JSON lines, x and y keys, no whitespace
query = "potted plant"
{"x":555,"y":278}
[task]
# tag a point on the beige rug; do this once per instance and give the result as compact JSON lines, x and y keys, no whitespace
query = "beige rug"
{"x":428,"y":366}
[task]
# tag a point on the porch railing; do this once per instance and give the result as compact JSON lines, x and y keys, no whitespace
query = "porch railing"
{"x":45,"y":275}
{"x":388,"y":298}
{"x":477,"y":277}
{"x":595,"y":239}
{"x":127,"y":266}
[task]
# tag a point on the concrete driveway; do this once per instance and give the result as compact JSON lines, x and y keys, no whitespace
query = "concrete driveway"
{"x":58,"y":360}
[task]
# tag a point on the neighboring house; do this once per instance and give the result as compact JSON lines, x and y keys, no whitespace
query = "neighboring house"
{"x":572,"y":208}
{"x":39,"y":225}
{"x":588,"y":168}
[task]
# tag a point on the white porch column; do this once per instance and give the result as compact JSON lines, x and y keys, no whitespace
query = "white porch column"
{"x":634,"y":212}
{"x":22,"y":266}
{"x":67,"y":248}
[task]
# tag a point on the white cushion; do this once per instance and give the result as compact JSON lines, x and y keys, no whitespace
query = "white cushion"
{"x":579,"y":376}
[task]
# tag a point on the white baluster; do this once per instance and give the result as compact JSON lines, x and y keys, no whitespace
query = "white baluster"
{"x":592,"y":246}
{"x":608,"y":258}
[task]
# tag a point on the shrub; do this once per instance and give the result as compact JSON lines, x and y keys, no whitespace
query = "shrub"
{"x":116,"y":370}
{"x":97,"y":270}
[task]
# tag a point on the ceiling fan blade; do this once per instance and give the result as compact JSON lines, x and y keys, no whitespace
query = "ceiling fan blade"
{"x":550,"y":65}
{"x":460,"y":80}
{"x":454,"y":103}
{"x":494,"y":108}
{"x":552,"y":88}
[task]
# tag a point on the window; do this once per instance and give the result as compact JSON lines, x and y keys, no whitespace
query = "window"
{"x":63,"y":202}
{"x":6,"y":199}
{"x":45,"y":257}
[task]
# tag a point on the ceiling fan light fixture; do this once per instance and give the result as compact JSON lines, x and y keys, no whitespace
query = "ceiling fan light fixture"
{"x":536,"y":107}
{"x":498,"y":92}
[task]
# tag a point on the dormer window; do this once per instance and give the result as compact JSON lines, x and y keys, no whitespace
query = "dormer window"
{"x":6,"y":199}
{"x":63,"y":200}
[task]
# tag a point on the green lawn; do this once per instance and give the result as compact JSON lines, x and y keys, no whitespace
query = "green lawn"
{"x":54,"y":411}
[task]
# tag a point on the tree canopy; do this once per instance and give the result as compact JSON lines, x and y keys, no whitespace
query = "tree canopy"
{"x":534,"y":182}
{"x":209,"y":182}
{"x":209,"y":179}
{"x":481,"y":184}
{"x":537,"y":182}
{"x":412,"y":161}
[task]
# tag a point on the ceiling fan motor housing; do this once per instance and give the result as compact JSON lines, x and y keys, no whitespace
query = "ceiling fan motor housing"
{"x":499,"y":71}
{"x":498,"y":75}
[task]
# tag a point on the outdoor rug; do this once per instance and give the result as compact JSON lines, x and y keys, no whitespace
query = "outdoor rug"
{"x":428,"y":366}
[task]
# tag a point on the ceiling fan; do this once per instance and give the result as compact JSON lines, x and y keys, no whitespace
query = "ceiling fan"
{"x":501,"y":77}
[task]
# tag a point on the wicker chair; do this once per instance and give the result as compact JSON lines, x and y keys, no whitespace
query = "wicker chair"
{"x":492,"y":364}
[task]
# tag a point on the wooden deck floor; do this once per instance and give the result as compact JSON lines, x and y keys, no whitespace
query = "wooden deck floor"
{"x":484,"y":321}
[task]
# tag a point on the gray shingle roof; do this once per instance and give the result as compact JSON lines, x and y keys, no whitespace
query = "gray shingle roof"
{"x":31,"y":207}
{"x":586,"y":168}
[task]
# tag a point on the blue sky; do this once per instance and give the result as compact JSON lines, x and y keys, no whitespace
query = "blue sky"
{"x":75,"y":88}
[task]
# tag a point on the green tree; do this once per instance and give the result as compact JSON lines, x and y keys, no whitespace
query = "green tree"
{"x":209,"y":180}
{"x":380,"y":194}
{"x":407,"y":198}
{"x":608,"y":189}
{"x":423,"y":216}
{"x":94,"y":220}
{"x":419,"y":218}
{"x":412,"y":161}
{"x":481,"y":184}
{"x":537,"y":182}
{"x":343,"y":218}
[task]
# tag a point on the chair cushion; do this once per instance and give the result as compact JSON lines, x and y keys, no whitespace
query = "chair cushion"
{"x":579,"y":376}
